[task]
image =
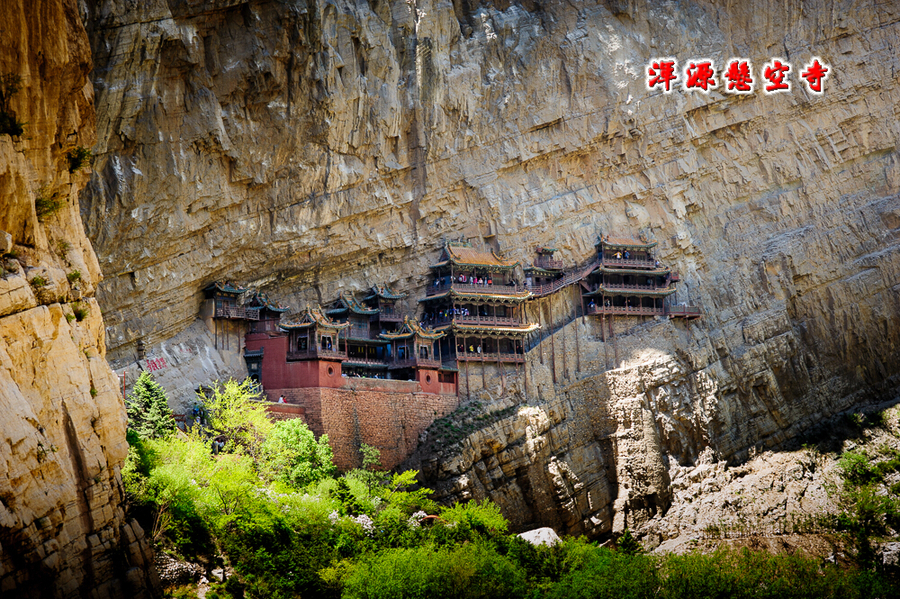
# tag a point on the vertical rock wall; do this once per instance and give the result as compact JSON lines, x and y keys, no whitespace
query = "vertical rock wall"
{"x":63,"y":532}
{"x":308,"y":147}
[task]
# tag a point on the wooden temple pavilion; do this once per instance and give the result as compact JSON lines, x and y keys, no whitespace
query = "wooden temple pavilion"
{"x":417,"y":356}
{"x":384,"y":299}
{"x":225,"y":299}
{"x":269,"y":313}
{"x":629,"y":281}
{"x":476,"y":300}
{"x":545,"y":269}
{"x":367,"y":354}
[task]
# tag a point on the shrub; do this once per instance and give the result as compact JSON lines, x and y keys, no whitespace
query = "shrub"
{"x":466,"y":571}
{"x":9,"y":86}
{"x":148,"y":409}
{"x":63,"y":246}
{"x":46,"y":204}
{"x":236,"y":413}
{"x":78,"y":157}
{"x":38,"y":282}
{"x":73,"y":276}
{"x":600,"y":572}
{"x":292,"y":455}
{"x":80,"y":311}
{"x":93,"y":392}
{"x":70,"y":317}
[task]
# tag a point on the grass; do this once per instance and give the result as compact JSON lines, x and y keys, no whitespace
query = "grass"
{"x":46,"y":204}
{"x":78,"y":157}
{"x":80,"y":311}
{"x":74,"y":276}
{"x":9,"y":85}
{"x":38,"y":282}
{"x":63,"y":246}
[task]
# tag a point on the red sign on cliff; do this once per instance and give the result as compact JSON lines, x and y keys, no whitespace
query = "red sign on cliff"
{"x":700,"y":75}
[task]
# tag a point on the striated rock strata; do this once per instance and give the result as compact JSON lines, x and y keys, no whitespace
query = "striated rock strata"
{"x":63,"y":531}
{"x":308,"y":147}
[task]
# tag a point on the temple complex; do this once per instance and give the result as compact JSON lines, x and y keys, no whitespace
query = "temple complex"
{"x":364,"y":360}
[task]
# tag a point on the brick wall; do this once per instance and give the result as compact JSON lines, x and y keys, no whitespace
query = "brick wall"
{"x":389,"y":420}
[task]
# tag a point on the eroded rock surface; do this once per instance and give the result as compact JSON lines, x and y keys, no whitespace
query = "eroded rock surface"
{"x":63,"y":530}
{"x":311,"y":147}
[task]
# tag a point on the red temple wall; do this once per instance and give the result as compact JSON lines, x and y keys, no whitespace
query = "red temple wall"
{"x":373,"y":413}
{"x":277,"y":373}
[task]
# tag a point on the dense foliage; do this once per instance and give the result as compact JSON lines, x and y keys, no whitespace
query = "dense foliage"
{"x":271,"y":506}
{"x":148,"y":410}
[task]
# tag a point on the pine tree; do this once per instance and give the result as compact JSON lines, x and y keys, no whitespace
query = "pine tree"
{"x":628,"y":544}
{"x":148,"y":409}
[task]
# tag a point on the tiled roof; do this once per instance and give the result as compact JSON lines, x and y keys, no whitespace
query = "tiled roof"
{"x":646,"y":292}
{"x":662,"y":270}
{"x":496,"y":297}
{"x":225,"y":287}
{"x":313,"y":317}
{"x":463,"y":254}
{"x":348,"y":302}
{"x":261,"y":300}
{"x":384,"y":292}
{"x":496,"y":330}
{"x":412,"y":327}
{"x":629,"y":242}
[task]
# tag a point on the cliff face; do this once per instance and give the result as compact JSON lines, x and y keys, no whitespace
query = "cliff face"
{"x":306,"y":147}
{"x":63,"y":532}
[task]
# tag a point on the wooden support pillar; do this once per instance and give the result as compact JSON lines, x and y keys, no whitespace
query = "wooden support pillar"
{"x":552,"y":341}
{"x":468,"y":389}
{"x":541,"y":333}
{"x":481,"y":355}
{"x":577,"y":325}
{"x":612,"y":333}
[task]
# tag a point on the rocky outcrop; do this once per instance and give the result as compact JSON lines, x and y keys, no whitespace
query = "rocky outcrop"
{"x":311,"y":147}
{"x":63,"y":531}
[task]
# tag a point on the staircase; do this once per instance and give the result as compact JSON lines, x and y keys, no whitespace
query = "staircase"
{"x":570,"y":278}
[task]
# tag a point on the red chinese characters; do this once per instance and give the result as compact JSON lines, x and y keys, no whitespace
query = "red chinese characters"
{"x":815,"y":75}
{"x":155,"y":364}
{"x":662,"y":72}
{"x":739,"y":76}
{"x":700,"y":75}
{"x":776,"y":73}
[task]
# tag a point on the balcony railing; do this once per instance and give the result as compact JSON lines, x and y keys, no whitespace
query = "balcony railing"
{"x":390,"y":315}
{"x":548,"y":263}
{"x":316,"y":354}
{"x":469,"y":288}
{"x":489,"y":357}
{"x":629,"y":262}
{"x":237,"y":312}
{"x":627,"y":310}
{"x":684,"y":312}
{"x":359,"y":331}
{"x":636,"y":288}
{"x":498,"y":321}
{"x":416,"y":363}
{"x":368,"y":361}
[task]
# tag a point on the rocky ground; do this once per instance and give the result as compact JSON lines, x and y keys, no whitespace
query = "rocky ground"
{"x":771,"y":501}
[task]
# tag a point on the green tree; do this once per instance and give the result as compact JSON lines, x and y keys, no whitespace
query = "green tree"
{"x":148,"y":409}
{"x":292,"y":455}
{"x":628,"y":544}
{"x":235,"y":412}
